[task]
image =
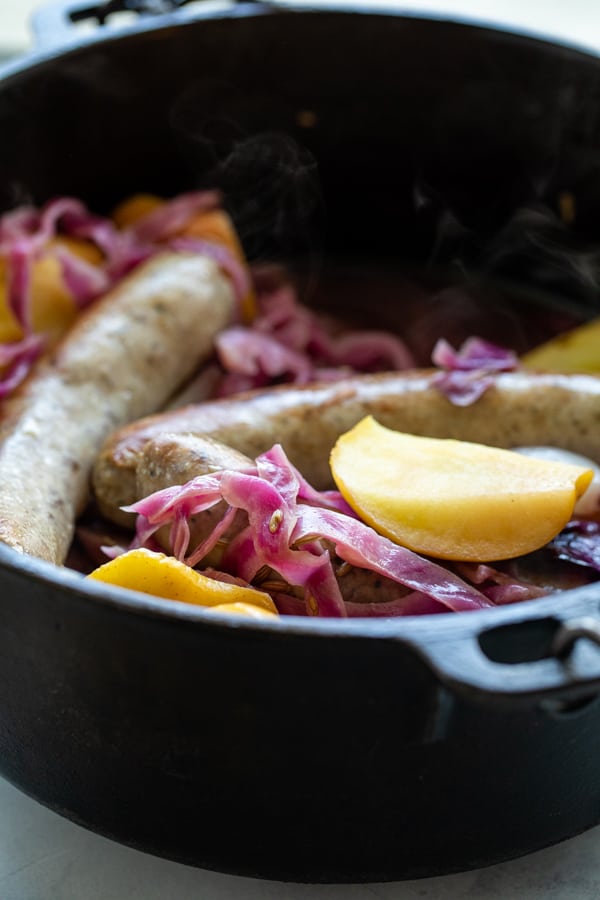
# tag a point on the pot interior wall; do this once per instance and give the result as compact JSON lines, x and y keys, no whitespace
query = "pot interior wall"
{"x":345,"y":133}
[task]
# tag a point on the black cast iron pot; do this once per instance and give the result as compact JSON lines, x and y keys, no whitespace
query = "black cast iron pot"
{"x":306,"y":750}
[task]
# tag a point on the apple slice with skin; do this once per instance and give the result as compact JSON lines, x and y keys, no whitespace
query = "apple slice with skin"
{"x":452,"y":499}
{"x":577,"y":350}
{"x":164,"y":576}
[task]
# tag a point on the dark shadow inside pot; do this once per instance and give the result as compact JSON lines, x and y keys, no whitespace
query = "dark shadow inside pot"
{"x":336,"y":136}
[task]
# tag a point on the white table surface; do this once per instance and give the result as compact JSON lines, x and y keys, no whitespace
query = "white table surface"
{"x":45,"y":857}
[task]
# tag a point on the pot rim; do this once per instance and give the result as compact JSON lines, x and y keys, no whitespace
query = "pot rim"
{"x":76,"y":585}
{"x":449,"y":644}
{"x":56,"y":35}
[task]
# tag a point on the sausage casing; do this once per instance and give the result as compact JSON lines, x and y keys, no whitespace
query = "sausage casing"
{"x":122,"y":359}
{"x":520,"y":408}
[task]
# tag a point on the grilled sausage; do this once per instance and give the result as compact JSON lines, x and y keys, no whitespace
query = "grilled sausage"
{"x":520,"y":408}
{"x":176,"y":459}
{"x":122,"y":359}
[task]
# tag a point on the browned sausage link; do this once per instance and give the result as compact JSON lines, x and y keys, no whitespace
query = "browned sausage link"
{"x":122,"y":360}
{"x":171,"y":459}
{"x":520,"y":408}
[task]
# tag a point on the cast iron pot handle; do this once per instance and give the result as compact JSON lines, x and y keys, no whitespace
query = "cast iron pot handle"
{"x":53,"y":24}
{"x":568,"y":673}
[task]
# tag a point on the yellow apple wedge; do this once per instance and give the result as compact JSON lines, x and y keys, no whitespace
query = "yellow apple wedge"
{"x":53,"y":308}
{"x":451,"y":499}
{"x":574,"y":351}
{"x":164,"y":576}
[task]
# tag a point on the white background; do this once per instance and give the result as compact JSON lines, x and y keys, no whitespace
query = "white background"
{"x":44,"y":857}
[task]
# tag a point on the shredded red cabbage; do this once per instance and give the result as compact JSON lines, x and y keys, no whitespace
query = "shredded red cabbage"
{"x":500,"y":587}
{"x":475,"y":353}
{"x":256,"y":359}
{"x":27,"y":232}
{"x":290,"y":528}
{"x":289,"y":343}
{"x":286,"y":342}
{"x":462,"y":388}
{"x":83,"y":280}
{"x":578,"y":543}
{"x":17,"y":223}
{"x":412,"y":604}
{"x":16,"y":360}
{"x":468,"y":371}
{"x":18,"y":257}
{"x":170,"y":218}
